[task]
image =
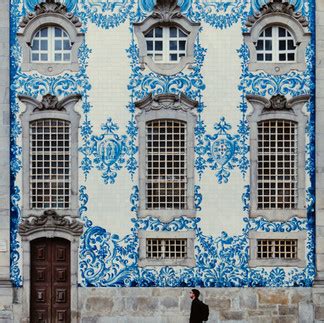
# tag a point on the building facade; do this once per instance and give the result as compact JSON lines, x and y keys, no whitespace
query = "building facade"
{"x":149,"y":147}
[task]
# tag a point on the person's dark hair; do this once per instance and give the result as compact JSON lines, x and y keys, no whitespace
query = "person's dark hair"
{"x":196,"y":292}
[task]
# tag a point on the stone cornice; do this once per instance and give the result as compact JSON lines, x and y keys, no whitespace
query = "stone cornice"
{"x":50,"y":220}
{"x":276,"y":6}
{"x":50,"y":7}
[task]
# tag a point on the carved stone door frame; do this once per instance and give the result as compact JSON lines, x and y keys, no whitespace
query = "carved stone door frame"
{"x":50,"y":226}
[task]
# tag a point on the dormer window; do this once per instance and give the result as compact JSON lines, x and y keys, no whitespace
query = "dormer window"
{"x":276,"y":44}
{"x":277,"y":38}
{"x":166,"y":39}
{"x":166,"y":44}
{"x":51,"y":44}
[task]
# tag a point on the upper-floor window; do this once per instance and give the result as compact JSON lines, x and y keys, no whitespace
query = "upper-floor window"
{"x":166,"y":160}
{"x":51,"y":44}
{"x":277,"y":164}
{"x":166,"y":39}
{"x":277,"y":136}
{"x":166,"y":156}
{"x":277,"y":38}
{"x":50,"y":39}
{"x":166,"y":44}
{"x":276,"y":44}
{"x":50,"y":166}
{"x":50,"y":155}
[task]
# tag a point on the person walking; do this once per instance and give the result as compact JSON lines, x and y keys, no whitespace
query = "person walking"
{"x":195,"y":312}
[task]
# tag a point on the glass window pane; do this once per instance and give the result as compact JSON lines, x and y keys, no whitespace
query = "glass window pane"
{"x":158,"y":45}
{"x":66,"y":57}
{"x":182,"y":34}
{"x":35,"y":45}
{"x":268,"y":32}
{"x":66,"y":45}
{"x":173,"y":32}
{"x":282,"y":32}
{"x":282,"y":44}
{"x":282,"y":57}
{"x":268,"y":44}
{"x":173,"y":57}
{"x":291,"y":57}
{"x":58,"y":45}
{"x":259,"y":45}
{"x":260,"y":57}
{"x":43,"y":44}
{"x":58,"y":32}
{"x":173,"y":45}
{"x":44,"y":57}
{"x":58,"y":57}
{"x":268,"y":57}
{"x":149,"y":34}
{"x":149,"y":45}
{"x":44,"y":32}
{"x":291,"y":44}
{"x":35,"y":57}
{"x":158,"y":32}
{"x":182,"y":44}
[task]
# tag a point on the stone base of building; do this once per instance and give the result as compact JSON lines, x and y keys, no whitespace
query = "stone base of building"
{"x":172,"y":305}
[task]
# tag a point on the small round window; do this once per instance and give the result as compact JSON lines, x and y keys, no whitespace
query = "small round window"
{"x":166,"y":44}
{"x":51,"y":45}
{"x":276,"y":44}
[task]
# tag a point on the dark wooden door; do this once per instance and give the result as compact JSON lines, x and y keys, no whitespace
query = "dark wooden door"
{"x":50,"y":281}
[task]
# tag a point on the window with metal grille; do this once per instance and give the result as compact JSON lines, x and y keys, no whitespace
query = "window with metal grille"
{"x":50,"y":173}
{"x":166,"y":44}
{"x":277,"y":164}
{"x":277,"y":248}
{"x":276,"y":44}
{"x":166,"y":164}
{"x":51,"y":44}
{"x":166,"y":248}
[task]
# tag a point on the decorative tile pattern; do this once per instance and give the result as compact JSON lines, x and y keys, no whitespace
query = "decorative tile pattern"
{"x":109,"y":260}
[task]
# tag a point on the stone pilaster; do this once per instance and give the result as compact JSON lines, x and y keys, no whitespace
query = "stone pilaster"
{"x":320,"y":143}
{"x":5,"y":284}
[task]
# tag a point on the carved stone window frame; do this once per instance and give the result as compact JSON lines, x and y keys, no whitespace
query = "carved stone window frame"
{"x":166,"y":14}
{"x":50,"y":225}
{"x":174,"y":107}
{"x":277,"y":108}
{"x":50,"y":108}
{"x":279,"y":14}
{"x":49,"y":13}
{"x":300,"y":236}
{"x":187,"y":262}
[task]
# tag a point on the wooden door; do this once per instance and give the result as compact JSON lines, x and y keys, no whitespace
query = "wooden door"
{"x":50,"y":281}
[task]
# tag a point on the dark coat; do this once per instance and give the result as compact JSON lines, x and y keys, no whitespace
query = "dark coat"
{"x":195,"y":313}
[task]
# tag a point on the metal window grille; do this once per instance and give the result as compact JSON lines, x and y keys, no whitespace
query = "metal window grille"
{"x":277,"y":248}
{"x":166,"y":248}
{"x":166,"y":44}
{"x":51,"y":44}
{"x":277,"y":164}
{"x":166,"y":164}
{"x":50,"y":164}
{"x":276,"y":44}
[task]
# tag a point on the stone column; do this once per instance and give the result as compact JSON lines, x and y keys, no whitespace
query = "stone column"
{"x":5,"y":284}
{"x":320,"y":142}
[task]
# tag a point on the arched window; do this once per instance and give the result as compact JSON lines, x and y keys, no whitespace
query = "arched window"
{"x":276,"y":44}
{"x":277,"y":38}
{"x":51,"y":45}
{"x":166,"y":39}
{"x":166,"y":44}
{"x":277,"y":164}
{"x":277,"y":136}
{"x":50,"y":167}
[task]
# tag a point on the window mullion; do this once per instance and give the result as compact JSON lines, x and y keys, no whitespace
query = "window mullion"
{"x":166,"y":39}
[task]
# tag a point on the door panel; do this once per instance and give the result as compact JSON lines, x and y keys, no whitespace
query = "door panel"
{"x":50,"y":281}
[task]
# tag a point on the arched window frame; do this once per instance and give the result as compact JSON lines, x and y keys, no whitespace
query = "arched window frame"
{"x":50,"y":108}
{"x":173,"y":107}
{"x":46,"y":16}
{"x":166,"y":14}
{"x":281,"y":15}
{"x":278,"y":108}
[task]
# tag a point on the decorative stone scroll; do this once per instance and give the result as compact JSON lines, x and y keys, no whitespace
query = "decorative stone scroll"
{"x":50,"y":220}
